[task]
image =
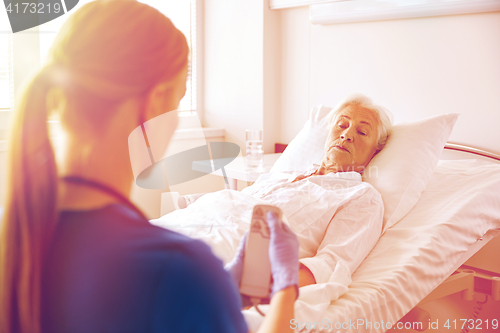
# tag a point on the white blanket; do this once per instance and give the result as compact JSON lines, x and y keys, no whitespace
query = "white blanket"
{"x":337,"y":245}
{"x":220,"y":219}
{"x":337,"y":217}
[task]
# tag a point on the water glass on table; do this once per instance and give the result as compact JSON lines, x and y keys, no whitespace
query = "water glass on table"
{"x":254,"y":153}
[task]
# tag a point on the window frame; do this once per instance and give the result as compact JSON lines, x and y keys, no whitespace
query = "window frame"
{"x":27,"y":60}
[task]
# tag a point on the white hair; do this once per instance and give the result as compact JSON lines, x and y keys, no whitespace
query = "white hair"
{"x":384,"y":116}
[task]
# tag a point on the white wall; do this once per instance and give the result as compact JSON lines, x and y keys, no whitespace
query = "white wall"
{"x":271,"y":85}
{"x":415,"y":67}
{"x":241,"y":69}
{"x":295,"y":71}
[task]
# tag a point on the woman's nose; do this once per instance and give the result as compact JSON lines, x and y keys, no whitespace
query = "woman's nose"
{"x":346,"y":136}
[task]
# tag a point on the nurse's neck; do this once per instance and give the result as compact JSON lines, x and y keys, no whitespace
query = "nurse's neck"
{"x":103,"y":158}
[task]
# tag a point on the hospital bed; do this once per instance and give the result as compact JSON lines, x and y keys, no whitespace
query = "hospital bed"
{"x":420,"y":257}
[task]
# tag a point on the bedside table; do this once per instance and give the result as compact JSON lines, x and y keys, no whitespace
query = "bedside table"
{"x":238,"y":170}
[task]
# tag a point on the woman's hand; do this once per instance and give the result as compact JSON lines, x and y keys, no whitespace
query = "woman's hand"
{"x":283,"y":254}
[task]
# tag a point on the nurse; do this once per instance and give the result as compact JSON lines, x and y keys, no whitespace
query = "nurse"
{"x":75,"y":254}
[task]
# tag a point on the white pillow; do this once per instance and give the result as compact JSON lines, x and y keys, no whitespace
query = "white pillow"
{"x":400,"y":172}
{"x":308,"y":146}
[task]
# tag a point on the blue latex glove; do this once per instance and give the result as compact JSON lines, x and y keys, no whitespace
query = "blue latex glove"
{"x":283,"y":254}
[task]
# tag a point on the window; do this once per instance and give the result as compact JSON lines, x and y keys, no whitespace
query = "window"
{"x":6,"y":74}
{"x":6,"y":69}
{"x":182,"y":14}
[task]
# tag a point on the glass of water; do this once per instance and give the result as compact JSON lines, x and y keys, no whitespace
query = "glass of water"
{"x":255,"y":154}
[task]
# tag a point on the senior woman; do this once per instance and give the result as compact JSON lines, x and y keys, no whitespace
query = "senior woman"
{"x":75,"y":254}
{"x":336,"y":216}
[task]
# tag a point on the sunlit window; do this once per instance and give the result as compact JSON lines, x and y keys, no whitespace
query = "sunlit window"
{"x":183,"y":15}
{"x":6,"y":69}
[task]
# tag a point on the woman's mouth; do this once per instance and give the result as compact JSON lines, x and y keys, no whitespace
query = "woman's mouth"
{"x":340,"y":147}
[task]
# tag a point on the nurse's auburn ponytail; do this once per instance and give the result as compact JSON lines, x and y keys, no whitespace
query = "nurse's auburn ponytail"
{"x":30,"y":214}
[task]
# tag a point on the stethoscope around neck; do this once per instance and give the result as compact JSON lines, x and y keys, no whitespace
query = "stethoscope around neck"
{"x":105,"y":189}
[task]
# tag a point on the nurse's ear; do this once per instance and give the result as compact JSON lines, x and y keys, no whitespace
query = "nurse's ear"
{"x":159,"y":100}
{"x":165,"y":96}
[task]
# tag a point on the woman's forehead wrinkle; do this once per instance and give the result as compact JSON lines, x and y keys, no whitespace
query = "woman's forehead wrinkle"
{"x":366,"y":120}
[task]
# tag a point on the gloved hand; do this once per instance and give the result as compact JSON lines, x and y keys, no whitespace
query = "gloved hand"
{"x":283,"y":254}
{"x":235,"y":267}
{"x":235,"y":270}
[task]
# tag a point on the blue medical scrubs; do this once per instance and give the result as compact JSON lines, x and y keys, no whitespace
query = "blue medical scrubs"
{"x":109,"y":270}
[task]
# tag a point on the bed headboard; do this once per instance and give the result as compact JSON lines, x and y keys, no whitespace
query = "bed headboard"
{"x":454,"y":151}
